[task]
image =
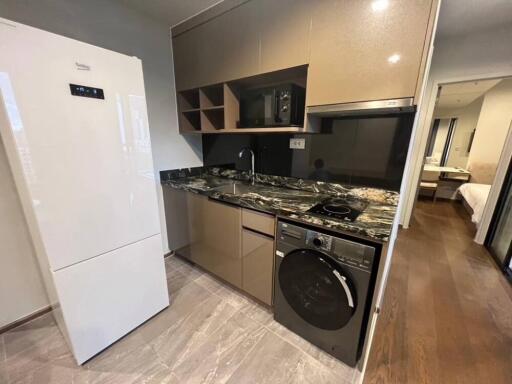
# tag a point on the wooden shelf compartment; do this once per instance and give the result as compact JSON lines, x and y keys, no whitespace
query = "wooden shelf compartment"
{"x":188,"y":100}
{"x":231,"y":106}
{"x":216,"y":108}
{"x":211,"y":96}
{"x":219,"y":107}
{"x":190,"y":110}
{"x":212,"y":119}
{"x":190,"y":121}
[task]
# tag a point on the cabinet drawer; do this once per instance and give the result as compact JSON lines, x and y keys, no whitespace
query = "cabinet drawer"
{"x":261,"y":222}
{"x":257,"y":265}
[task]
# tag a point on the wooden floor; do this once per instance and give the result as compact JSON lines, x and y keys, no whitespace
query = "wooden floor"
{"x":447,"y":314}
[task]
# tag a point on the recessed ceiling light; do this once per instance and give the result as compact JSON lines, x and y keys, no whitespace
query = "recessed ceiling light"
{"x":380,"y":5}
{"x":393,"y":59}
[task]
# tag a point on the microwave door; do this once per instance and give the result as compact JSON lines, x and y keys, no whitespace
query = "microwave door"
{"x":272,"y":109}
{"x":252,"y":110}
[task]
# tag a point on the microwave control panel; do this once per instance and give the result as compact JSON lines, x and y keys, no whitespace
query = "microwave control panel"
{"x":284,"y":98}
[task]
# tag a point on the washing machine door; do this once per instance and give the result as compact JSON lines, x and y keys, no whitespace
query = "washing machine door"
{"x":317,"y":289}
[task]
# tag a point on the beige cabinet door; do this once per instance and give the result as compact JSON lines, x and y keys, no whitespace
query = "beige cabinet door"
{"x":237,"y":42}
{"x":176,"y":218}
{"x":215,"y":237}
{"x":222,"y":49}
{"x":187,"y":58}
{"x":258,"y":264}
{"x":360,"y":51}
{"x":284,"y":33}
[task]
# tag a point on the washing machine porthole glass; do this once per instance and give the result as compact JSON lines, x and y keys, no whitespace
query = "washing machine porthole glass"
{"x":317,"y":289}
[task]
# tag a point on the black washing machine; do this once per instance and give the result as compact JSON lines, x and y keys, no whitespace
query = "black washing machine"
{"x":323,"y":288}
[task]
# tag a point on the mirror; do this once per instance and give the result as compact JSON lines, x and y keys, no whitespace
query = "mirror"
{"x":440,"y":150}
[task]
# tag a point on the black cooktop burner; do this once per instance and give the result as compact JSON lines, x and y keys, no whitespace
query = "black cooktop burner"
{"x":337,"y":208}
{"x":346,"y":209}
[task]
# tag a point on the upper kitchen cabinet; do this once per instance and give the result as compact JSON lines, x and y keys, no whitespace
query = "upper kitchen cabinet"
{"x":346,"y":51}
{"x":284,"y":29}
{"x":250,"y":39}
{"x":222,"y":49}
{"x":367,"y":50}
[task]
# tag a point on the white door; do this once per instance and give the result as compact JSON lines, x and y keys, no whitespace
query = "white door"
{"x":87,"y":162}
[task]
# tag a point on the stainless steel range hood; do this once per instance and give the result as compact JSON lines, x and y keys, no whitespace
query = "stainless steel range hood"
{"x":377,"y":107}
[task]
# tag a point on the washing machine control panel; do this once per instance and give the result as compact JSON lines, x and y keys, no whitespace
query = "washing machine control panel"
{"x":319,"y":241}
{"x":345,"y":251}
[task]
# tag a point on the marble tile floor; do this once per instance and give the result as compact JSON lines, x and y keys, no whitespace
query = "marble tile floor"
{"x":211,"y":333}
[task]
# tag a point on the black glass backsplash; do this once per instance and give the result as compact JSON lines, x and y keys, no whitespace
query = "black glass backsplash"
{"x":367,"y":151}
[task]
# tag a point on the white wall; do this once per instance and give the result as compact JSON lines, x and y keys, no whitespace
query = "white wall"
{"x":108,"y":24}
{"x":485,"y":54}
{"x":21,"y":289}
{"x":493,"y":125}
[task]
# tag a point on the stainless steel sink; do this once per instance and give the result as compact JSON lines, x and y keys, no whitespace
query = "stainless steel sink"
{"x":235,"y":188}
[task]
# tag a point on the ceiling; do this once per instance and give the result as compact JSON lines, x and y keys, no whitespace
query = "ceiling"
{"x":170,"y":11}
{"x":460,"y":17}
{"x":459,"y":95}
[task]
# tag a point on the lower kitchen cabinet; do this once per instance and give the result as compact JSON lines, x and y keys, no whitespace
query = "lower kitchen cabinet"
{"x":258,"y":262}
{"x":232,"y":243}
{"x":214,"y":237}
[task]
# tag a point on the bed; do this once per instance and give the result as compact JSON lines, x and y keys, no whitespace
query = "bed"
{"x":474,"y":197}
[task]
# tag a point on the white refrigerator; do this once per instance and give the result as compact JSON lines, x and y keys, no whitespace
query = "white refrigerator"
{"x":74,"y":123}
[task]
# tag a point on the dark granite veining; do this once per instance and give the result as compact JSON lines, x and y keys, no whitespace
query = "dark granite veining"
{"x":291,"y":198}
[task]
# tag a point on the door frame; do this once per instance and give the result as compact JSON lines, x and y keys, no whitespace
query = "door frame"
{"x":503,"y":265}
{"x":418,"y":145}
{"x":496,"y":187}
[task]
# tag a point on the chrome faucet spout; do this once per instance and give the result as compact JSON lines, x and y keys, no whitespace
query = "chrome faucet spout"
{"x":241,"y":154}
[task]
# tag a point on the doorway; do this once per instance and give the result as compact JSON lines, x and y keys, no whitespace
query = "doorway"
{"x":465,"y":163}
{"x":470,"y":125}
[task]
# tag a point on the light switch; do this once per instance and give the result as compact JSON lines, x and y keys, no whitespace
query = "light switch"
{"x":297,"y":143}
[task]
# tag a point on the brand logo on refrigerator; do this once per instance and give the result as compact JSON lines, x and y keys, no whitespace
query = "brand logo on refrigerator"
{"x":82,"y":67}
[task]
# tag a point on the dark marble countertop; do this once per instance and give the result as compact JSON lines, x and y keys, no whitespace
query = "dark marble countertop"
{"x":291,"y":198}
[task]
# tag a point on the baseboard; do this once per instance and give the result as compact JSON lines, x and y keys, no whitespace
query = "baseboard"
{"x":25,"y":319}
{"x":170,"y":253}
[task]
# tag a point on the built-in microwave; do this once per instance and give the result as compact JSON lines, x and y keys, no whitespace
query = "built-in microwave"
{"x":275,"y":106}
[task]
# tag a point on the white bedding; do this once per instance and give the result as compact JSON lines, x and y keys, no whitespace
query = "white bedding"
{"x":476,"y":196}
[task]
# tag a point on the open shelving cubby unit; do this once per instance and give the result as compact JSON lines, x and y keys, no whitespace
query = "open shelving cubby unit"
{"x":216,"y":108}
{"x":211,"y":101}
{"x":189,"y":112}
{"x":201,"y":109}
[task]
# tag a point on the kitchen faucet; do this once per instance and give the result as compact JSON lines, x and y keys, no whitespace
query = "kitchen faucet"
{"x":241,"y":153}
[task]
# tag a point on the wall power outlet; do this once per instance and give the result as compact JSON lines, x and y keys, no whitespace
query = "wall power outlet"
{"x":297,"y":143}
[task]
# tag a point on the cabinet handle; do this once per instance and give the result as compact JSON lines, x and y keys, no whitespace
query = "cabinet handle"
{"x":257,"y":232}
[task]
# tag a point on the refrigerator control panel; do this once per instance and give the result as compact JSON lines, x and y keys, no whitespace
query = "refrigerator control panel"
{"x":82,"y":90}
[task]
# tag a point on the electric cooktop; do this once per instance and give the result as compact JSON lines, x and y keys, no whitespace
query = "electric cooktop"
{"x":338,"y":208}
